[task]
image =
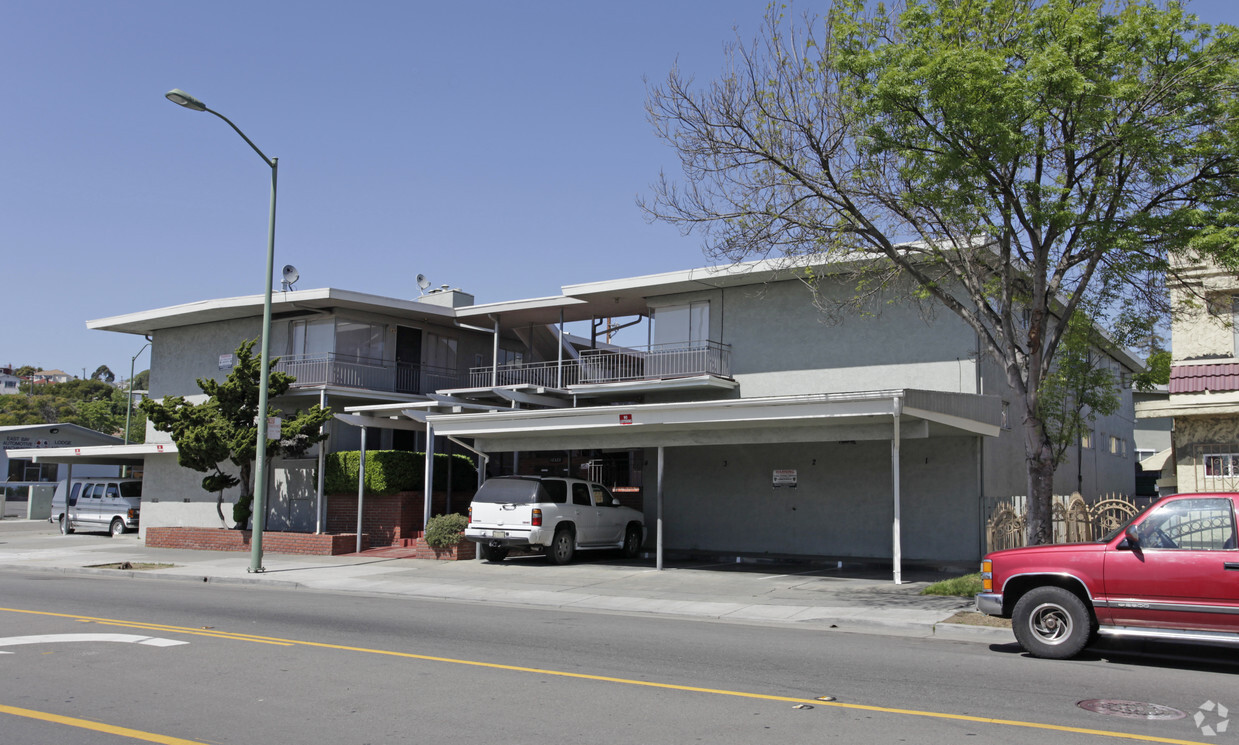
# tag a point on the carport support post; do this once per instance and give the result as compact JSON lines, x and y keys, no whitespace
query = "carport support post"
{"x":64,"y":527}
{"x":322,"y":467}
{"x":896,"y":551}
{"x":428,"y":487}
{"x":361,"y":485}
{"x":658,"y":546}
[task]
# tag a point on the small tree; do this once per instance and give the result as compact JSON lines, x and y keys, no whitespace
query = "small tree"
{"x":225,"y":428}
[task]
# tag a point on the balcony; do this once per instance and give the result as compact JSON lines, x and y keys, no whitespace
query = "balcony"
{"x":616,"y":365}
{"x":376,"y":375}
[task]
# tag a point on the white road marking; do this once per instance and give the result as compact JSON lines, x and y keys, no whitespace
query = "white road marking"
{"x":151,"y":641}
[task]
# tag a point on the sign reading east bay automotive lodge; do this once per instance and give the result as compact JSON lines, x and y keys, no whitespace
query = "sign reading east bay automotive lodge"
{"x":784,"y":477}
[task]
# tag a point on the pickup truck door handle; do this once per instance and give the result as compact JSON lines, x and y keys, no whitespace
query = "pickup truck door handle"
{"x":1234,"y":565}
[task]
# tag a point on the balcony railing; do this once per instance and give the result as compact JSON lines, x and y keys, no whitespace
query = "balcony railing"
{"x":655,"y":362}
{"x":360,"y":372}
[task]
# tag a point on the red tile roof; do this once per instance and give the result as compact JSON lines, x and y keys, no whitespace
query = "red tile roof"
{"x":1200,"y":378}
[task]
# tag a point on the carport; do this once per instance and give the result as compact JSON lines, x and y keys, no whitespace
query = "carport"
{"x":887,"y":415}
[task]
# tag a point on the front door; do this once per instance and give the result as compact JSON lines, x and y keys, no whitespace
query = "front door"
{"x":408,"y":359}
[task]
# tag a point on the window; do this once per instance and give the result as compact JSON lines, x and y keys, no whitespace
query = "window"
{"x":309,"y":337}
{"x":676,"y":324}
{"x":1005,"y":421}
{"x":1190,"y":524}
{"x":580,"y":495}
{"x":1221,"y":466}
{"x":359,"y":342}
{"x":1118,"y":446}
{"x":1086,"y":439}
{"x":440,"y":352}
{"x":602,"y":497}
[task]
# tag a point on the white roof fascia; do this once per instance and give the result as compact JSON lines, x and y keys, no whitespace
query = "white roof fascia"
{"x":90,"y":452}
{"x":510,"y":306}
{"x":361,"y":420}
{"x":652,"y":386}
{"x":251,"y":305}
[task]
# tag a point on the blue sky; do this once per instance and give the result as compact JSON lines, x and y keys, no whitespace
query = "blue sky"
{"x":494,"y":146}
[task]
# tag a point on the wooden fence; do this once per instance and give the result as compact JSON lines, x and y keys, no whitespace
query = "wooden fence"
{"x":1074,"y":519}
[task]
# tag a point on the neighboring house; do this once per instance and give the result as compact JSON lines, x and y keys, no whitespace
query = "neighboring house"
{"x":741,"y":423}
{"x":18,"y":444}
{"x":1203,"y":395}
{"x":1153,"y":440}
{"x":9,"y":383}
{"x":43,"y":377}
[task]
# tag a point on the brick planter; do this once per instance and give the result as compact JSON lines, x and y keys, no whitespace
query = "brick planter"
{"x":220,"y":539}
{"x":463,"y":551}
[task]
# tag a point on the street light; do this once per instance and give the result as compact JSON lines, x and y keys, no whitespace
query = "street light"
{"x":129,"y":409}
{"x":181,"y":98}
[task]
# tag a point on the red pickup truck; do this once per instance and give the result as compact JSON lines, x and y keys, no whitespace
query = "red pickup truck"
{"x":1172,"y":572}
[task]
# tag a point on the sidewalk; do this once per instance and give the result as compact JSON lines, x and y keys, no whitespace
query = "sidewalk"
{"x":850,"y":598}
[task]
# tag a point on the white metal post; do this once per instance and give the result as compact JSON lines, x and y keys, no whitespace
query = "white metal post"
{"x":896,"y":548}
{"x":361,"y":485}
{"x":658,"y":548}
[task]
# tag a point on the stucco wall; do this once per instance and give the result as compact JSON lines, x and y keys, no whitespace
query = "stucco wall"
{"x":179,"y":356}
{"x":722,"y":499}
{"x":1196,"y":437}
{"x":782,"y":345}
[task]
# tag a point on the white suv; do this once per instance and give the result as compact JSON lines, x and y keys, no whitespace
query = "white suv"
{"x":555,"y":516}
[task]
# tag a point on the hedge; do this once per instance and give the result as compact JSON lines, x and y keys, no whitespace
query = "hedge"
{"x":391,"y":471}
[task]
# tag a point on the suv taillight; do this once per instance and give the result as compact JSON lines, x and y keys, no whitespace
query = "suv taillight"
{"x":536,"y":519}
{"x":470,"y":514}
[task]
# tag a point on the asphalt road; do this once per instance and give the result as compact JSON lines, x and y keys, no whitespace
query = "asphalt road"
{"x":235,"y":664}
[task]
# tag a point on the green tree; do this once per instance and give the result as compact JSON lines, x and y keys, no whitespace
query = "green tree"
{"x":223,"y":429}
{"x":104,"y":373}
{"x":89,"y":403}
{"x":1010,"y":160}
{"x":1157,"y":371}
{"x":1078,"y":389}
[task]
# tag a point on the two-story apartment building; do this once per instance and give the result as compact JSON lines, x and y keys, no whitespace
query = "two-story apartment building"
{"x":1203,"y":395}
{"x":739,"y":420}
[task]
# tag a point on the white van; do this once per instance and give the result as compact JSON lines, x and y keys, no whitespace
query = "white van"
{"x":99,"y":503}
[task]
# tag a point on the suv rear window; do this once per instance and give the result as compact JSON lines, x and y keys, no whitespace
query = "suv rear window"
{"x":521,"y":491}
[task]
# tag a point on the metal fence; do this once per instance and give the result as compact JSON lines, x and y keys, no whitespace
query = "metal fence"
{"x":371,"y":374}
{"x":1073,"y":519}
{"x":614,"y":365}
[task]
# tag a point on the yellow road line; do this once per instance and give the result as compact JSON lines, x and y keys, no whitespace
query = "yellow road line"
{"x":628,"y":681}
{"x":132,"y":734}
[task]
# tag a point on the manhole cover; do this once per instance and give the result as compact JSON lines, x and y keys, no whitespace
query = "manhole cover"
{"x":1130,"y":709}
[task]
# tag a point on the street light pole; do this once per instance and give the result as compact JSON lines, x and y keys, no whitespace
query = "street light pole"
{"x":129,"y":408}
{"x":181,"y":98}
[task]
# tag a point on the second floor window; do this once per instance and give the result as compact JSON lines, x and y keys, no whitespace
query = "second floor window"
{"x":359,"y":342}
{"x":676,"y":324}
{"x":440,"y":352}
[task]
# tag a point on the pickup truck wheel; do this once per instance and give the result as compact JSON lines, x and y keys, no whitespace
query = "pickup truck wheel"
{"x":117,"y":528}
{"x":1052,"y":622}
{"x":494,"y":554}
{"x":632,"y":542}
{"x":562,"y":546}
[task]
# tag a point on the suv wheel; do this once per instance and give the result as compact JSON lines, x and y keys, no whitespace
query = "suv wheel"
{"x":1052,"y":622}
{"x":563,"y":545}
{"x":632,"y":541}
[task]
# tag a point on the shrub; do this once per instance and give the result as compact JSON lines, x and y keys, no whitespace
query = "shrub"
{"x":391,"y":471}
{"x":444,"y":531}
